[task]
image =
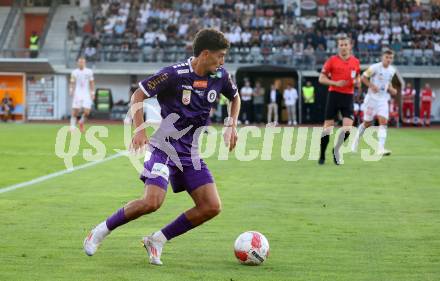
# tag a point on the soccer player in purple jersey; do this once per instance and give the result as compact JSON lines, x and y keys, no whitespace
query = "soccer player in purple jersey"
{"x":185,"y":93}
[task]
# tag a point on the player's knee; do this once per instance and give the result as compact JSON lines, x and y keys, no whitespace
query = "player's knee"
{"x":212,"y":210}
{"x":327,"y":131}
{"x":150,"y":205}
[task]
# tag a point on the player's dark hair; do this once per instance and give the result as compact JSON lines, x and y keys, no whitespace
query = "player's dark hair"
{"x":388,"y":52}
{"x":209,"y":39}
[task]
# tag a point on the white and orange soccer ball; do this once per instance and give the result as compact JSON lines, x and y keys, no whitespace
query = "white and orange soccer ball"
{"x":251,"y":248}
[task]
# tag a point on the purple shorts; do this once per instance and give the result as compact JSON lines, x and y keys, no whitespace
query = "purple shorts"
{"x":159,"y":171}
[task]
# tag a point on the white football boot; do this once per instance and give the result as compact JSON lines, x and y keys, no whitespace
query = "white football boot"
{"x":154,"y":249}
{"x":384,"y":152}
{"x":95,"y":237}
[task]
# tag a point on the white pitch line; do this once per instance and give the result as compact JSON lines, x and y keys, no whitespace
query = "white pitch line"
{"x":59,"y":173}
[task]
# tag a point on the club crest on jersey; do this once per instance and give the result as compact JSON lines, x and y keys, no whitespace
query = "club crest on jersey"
{"x":212,"y":95}
{"x":186,"y":97}
{"x":201,"y":84}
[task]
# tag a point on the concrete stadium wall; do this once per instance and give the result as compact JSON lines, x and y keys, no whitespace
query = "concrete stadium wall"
{"x":63,"y":101}
{"x":119,"y":85}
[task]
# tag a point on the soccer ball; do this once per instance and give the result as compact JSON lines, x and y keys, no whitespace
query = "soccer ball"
{"x":251,"y":248}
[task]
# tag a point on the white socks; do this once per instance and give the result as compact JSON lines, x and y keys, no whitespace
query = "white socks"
{"x":158,"y":236}
{"x":382,"y":135}
{"x":361,"y":130}
{"x":357,"y":137}
{"x":103,"y":231}
{"x":72,"y":121}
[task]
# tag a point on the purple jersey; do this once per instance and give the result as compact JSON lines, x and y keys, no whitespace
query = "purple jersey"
{"x":181,"y":91}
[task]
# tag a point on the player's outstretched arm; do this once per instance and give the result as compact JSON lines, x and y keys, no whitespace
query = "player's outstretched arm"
{"x":139,"y":139}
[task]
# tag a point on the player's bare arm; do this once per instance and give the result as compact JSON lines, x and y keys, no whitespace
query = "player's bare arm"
{"x":325,"y":80}
{"x":72,"y":86}
{"x":366,"y":80}
{"x":230,"y":135}
{"x":92,"y":89}
{"x":139,"y":139}
{"x":392,"y":90}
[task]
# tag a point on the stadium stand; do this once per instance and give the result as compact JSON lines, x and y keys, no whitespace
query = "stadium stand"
{"x":152,"y":31}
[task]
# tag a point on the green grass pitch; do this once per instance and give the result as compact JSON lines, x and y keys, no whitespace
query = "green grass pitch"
{"x":369,"y":221}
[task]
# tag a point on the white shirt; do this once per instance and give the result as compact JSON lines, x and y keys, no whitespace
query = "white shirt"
{"x":273,"y":96}
{"x":149,"y":37}
{"x":290,"y":96}
{"x":234,"y":38}
{"x":397,"y":30}
{"x":245,"y":37}
{"x":246,"y":93}
{"x":437,"y":47}
{"x":381,"y":77}
{"x":82,"y":80}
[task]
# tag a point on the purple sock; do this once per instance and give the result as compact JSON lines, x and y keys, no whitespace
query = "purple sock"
{"x":117,"y":219}
{"x":177,"y":227}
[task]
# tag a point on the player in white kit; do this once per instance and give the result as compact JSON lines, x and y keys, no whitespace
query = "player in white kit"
{"x":82,"y":88}
{"x":378,"y":79}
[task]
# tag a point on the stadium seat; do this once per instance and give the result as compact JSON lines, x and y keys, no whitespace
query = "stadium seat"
{"x":407,"y":56}
{"x":429,"y":56}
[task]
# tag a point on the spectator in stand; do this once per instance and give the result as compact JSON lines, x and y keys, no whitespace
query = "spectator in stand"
{"x":309,"y":56}
{"x":320,"y":54}
{"x":72,"y":28}
{"x":119,"y":29}
{"x":90,"y":53}
{"x":270,"y":25}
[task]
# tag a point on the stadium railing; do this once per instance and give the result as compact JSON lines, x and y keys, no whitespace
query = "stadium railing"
{"x":172,"y":54}
{"x":21,"y":53}
{"x":272,"y":55}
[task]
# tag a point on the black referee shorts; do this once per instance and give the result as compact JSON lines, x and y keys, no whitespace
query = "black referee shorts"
{"x":339,"y":102}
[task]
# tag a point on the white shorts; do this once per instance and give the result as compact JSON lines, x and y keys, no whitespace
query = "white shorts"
{"x":357,"y":107}
{"x":373,"y":108}
{"x":81,"y":102}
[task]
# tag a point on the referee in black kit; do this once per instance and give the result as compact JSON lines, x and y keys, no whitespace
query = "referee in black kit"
{"x":341,"y":73}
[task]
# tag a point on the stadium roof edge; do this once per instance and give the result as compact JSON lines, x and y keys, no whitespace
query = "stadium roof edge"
{"x":26,"y":65}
